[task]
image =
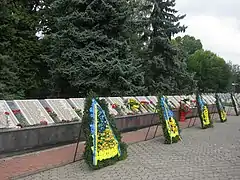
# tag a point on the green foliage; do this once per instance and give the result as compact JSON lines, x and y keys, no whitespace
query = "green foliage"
{"x":88,"y":51}
{"x":188,"y":44}
{"x":88,"y":154}
{"x":212,"y":72}
{"x":19,"y":49}
{"x":235,"y":78}
{"x":164,"y":71}
{"x":115,"y":48}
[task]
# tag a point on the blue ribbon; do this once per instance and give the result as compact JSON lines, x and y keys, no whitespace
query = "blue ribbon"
{"x":167,"y":112}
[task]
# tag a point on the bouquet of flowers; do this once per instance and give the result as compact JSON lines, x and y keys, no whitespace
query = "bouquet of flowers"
{"x":133,"y":105}
{"x":118,"y":108}
{"x":148,"y":106}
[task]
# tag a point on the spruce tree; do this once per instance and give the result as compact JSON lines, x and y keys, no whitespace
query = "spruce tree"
{"x":9,"y":80}
{"x":164,"y":70}
{"x":88,"y":48}
{"x":19,"y":49}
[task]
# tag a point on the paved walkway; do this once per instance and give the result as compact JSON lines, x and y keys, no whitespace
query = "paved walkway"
{"x":211,"y":154}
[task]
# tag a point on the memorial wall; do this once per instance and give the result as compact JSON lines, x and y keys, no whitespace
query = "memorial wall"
{"x":27,"y":124}
{"x":24,"y":113}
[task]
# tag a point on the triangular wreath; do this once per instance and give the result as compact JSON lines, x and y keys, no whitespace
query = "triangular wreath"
{"x":169,"y":124}
{"x":221,"y":109}
{"x":103,"y":140}
{"x":203,"y":112}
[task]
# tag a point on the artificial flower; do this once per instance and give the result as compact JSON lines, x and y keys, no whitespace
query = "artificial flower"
{"x":7,"y":113}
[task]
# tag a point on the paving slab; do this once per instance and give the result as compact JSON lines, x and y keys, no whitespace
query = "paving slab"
{"x":211,"y":154}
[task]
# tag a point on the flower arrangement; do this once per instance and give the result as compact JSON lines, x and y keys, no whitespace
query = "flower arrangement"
{"x":184,"y":107}
{"x":221,"y":109}
{"x":43,"y":122}
{"x":118,"y":108}
{"x":170,"y":126}
{"x":23,"y":122}
{"x":52,"y":114}
{"x":203,"y":111}
{"x":133,"y":105}
{"x":148,"y":105}
{"x":103,"y":145}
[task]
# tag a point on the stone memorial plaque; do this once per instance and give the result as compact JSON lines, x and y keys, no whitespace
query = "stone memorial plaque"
{"x":226,"y":98}
{"x":237,"y":95}
{"x":33,"y":111}
{"x":119,"y":101}
{"x":212,"y":98}
{"x":176,"y":100}
{"x":172,"y":101}
{"x":77,"y":103}
{"x":111,"y":109}
{"x":153,"y":99}
{"x":206,"y":99}
{"x":142,"y":109}
{"x":152,"y":107}
{"x":7,"y":121}
{"x":63,"y":109}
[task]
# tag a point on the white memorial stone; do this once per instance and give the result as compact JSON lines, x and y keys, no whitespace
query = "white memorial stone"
{"x":63,"y":109}
{"x":212,"y":98}
{"x":206,"y":99}
{"x":153,"y":99}
{"x":119,"y":101}
{"x":7,"y":121}
{"x":111,"y":110}
{"x":78,"y":103}
{"x":33,"y":111}
{"x":175,"y":100}
{"x":150,"y":103}
{"x":172,"y":102}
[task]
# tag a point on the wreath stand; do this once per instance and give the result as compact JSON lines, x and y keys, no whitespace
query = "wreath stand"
{"x":78,"y":140}
{"x":155,"y":132}
{"x":212,"y":115}
{"x":194,"y":118}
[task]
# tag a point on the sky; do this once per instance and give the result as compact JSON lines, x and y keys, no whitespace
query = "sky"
{"x":216,"y":23}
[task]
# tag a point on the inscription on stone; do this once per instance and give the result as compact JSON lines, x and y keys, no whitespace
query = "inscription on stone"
{"x":33,"y":111}
{"x":63,"y":109}
{"x":7,"y":118}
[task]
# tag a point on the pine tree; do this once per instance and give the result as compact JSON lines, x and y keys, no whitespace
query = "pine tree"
{"x":88,"y":50}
